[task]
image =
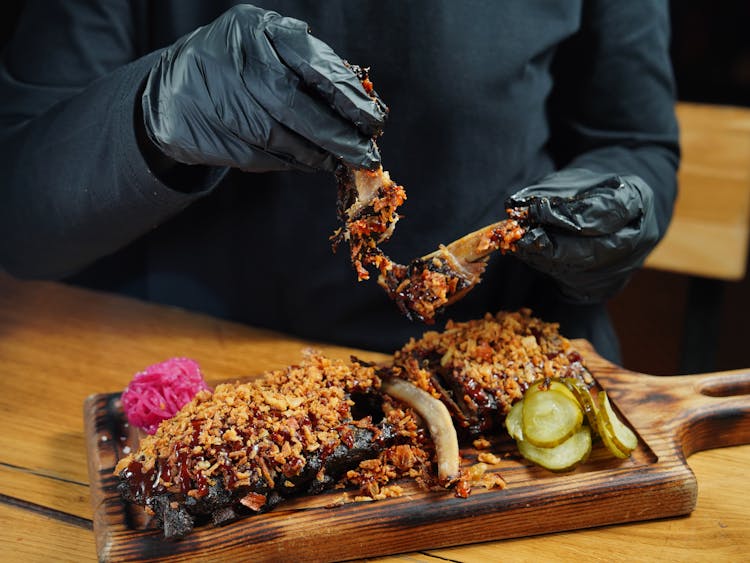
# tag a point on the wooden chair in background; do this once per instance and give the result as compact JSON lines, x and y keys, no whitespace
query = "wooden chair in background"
{"x":708,"y":237}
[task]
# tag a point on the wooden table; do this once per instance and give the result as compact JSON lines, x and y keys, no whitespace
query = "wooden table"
{"x":709,"y":234}
{"x":710,"y":230}
{"x":59,"y":344}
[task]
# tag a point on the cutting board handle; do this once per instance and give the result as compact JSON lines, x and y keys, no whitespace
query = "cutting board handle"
{"x":695,"y":412}
{"x":716,"y":411}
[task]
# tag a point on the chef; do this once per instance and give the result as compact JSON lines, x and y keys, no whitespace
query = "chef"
{"x":181,"y":151}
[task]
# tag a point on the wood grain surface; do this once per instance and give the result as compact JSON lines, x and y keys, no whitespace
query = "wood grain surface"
{"x":673,"y":418}
{"x":59,"y":345}
{"x":710,"y":229}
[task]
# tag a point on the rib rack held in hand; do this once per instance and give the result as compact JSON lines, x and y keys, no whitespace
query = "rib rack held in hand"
{"x":436,"y":280}
{"x":368,"y":201}
{"x":367,"y":207}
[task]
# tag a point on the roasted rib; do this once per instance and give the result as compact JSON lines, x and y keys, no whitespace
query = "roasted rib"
{"x":300,"y":430}
{"x":368,"y":201}
{"x":480,"y":368}
{"x":367,"y":208}
{"x":432,"y":282}
{"x":245,"y":447}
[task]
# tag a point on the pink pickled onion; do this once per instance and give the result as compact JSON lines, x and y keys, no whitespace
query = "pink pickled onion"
{"x":160,"y":391}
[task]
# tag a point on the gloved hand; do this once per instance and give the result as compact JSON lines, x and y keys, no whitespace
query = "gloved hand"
{"x":590,"y":231}
{"x":254,"y":90}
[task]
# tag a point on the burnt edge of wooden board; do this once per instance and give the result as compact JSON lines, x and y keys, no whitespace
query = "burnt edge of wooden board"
{"x":602,"y":491}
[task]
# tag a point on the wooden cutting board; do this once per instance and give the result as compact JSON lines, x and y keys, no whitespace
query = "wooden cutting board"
{"x":673,"y":417}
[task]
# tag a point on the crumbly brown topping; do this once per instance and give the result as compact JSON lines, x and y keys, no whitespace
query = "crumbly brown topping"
{"x":505,"y":236}
{"x":422,"y":288}
{"x":261,"y":435}
{"x":255,"y":432}
{"x":489,"y":361}
{"x":481,"y":443}
{"x":412,"y":459}
{"x":367,"y":209}
{"x":429,"y":284}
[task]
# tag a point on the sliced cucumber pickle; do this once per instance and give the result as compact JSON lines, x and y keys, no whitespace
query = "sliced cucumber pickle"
{"x":606,"y":436}
{"x":514,"y":421}
{"x":560,"y":387}
{"x":550,"y":416}
{"x":564,"y":457}
{"x":549,"y":429}
{"x":621,"y":436}
{"x":584,"y":397}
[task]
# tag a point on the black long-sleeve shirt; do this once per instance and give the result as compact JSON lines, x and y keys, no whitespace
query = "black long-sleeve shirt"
{"x":486,"y":97}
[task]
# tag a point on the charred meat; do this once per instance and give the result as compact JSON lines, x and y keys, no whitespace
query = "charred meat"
{"x":431,"y":283}
{"x":245,"y":447}
{"x":481,"y":367}
{"x":368,"y":202}
{"x":367,"y":208}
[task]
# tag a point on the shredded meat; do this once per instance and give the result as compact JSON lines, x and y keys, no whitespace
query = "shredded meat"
{"x":367,"y":208}
{"x":325,"y":423}
{"x":481,"y":367}
{"x":368,"y":202}
{"x":245,"y":447}
{"x":429,"y":284}
{"x":367,"y":205}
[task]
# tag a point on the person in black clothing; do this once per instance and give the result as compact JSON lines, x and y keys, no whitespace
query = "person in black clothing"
{"x":181,"y":151}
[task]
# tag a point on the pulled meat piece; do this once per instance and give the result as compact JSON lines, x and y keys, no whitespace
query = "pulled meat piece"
{"x":367,"y":203}
{"x":245,"y":447}
{"x":481,"y":367}
{"x":427,"y":285}
{"x":430,"y":283}
{"x":367,"y":208}
{"x":504,"y":235}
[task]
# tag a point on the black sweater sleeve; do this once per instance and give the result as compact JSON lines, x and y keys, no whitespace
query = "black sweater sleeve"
{"x":613,"y":105}
{"x":76,"y":186}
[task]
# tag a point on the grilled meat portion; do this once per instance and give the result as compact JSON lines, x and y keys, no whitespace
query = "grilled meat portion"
{"x":431,"y":283}
{"x":367,"y":208}
{"x":367,"y":204}
{"x":427,"y":285}
{"x":481,"y":367}
{"x":368,"y":201}
{"x":245,"y":447}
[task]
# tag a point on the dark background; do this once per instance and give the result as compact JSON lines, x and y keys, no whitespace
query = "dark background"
{"x":711,"y":58}
{"x":711,"y":50}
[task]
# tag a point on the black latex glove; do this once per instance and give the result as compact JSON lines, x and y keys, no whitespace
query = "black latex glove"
{"x":589,"y":230}
{"x":254,"y":90}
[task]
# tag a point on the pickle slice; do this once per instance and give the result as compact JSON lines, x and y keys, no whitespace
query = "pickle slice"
{"x":549,"y":417}
{"x":514,"y":421}
{"x":584,"y":397}
{"x":564,"y":457}
{"x":560,"y":387}
{"x":550,"y":430}
{"x":621,"y":436}
{"x":606,"y":437}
